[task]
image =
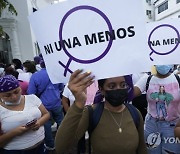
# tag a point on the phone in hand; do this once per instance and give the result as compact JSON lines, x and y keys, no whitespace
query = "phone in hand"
{"x":31,"y":123}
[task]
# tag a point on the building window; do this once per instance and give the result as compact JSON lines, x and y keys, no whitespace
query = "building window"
{"x":177,"y":1}
{"x":149,"y":14}
{"x":163,"y":7}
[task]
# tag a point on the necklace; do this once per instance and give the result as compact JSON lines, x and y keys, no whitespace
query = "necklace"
{"x":118,"y":124}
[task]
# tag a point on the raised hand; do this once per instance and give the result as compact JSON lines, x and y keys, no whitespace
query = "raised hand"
{"x":78,"y":84}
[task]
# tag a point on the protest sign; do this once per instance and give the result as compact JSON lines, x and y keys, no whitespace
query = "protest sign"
{"x":163,"y":41}
{"x":105,"y":37}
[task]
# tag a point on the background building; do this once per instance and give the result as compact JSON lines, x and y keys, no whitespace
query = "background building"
{"x":18,"y":40}
{"x":149,"y":10}
{"x":168,"y":9}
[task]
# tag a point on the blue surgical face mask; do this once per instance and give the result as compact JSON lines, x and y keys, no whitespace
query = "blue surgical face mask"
{"x":163,"y":69}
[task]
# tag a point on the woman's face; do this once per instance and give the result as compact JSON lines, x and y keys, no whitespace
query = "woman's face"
{"x":114,"y":83}
{"x":115,"y":91}
{"x":11,"y":96}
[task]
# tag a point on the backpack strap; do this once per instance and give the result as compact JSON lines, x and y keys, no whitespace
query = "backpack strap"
{"x":147,"y":83}
{"x":90,"y":110}
{"x":178,"y":79}
{"x":97,"y":112}
{"x":94,"y":117}
{"x":134,"y":113}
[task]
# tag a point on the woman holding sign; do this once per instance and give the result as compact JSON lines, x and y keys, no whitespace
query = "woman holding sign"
{"x":116,"y":130}
{"x":21,"y":119}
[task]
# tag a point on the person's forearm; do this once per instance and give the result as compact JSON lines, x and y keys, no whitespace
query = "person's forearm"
{"x":44,"y":119}
{"x":7,"y":137}
{"x":137,"y":91}
{"x":66,"y":107}
{"x":65,"y":103}
{"x":177,"y":132}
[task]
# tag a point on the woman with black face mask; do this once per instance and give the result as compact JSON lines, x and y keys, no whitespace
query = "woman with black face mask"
{"x":115,"y":132}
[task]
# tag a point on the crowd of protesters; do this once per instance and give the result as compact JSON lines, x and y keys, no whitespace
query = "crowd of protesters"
{"x":34,"y":85}
{"x":30,"y":104}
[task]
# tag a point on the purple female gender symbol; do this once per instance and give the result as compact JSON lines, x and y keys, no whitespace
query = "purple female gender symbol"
{"x":149,"y":43}
{"x":61,"y":38}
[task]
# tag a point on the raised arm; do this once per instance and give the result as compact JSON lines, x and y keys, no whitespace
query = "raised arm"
{"x":65,"y":103}
{"x":78,"y":84}
{"x":137,"y":91}
{"x":67,"y":133}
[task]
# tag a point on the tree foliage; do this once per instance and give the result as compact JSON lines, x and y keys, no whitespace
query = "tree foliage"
{"x":4,"y":4}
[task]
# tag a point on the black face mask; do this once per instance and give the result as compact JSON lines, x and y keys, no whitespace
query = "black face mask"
{"x":116,"y":97}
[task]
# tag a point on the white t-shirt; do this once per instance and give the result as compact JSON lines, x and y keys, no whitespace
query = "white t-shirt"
{"x":11,"y":119}
{"x":138,"y":76}
{"x":163,"y":96}
{"x":68,"y":94}
{"x":19,"y":70}
{"x":25,"y":76}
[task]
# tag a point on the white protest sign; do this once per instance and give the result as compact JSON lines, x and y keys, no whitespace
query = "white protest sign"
{"x":163,"y":41}
{"x":105,"y":37}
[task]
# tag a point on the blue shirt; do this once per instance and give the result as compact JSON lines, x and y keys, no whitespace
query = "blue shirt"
{"x":41,"y":86}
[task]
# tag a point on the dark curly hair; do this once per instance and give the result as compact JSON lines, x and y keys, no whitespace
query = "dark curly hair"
{"x":30,"y":66}
{"x":17,"y":63}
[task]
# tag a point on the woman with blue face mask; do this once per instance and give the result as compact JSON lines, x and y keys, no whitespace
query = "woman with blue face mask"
{"x":115,"y":132}
{"x":21,"y":119}
{"x":163,"y":97}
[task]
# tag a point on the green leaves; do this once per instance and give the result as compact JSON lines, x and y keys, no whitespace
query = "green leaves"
{"x":5,"y":4}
